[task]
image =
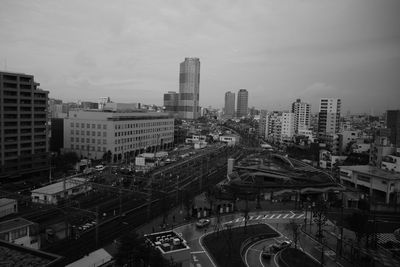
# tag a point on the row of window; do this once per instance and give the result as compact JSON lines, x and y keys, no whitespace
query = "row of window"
{"x":88,"y":133}
{"x":88,"y":148}
{"x":141,"y":125}
{"x":93,"y":126}
{"x":82,"y":140}
{"x":141,"y":131}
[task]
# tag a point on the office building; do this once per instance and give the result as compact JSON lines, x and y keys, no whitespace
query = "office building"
{"x":302,"y":115}
{"x":329,"y":115}
{"x":287,"y":127}
{"x":91,"y":134}
{"x":189,"y":84}
{"x":393,"y":123}
{"x":229,"y":105}
{"x":23,"y":126}
{"x":242,"y":103}
{"x":171,"y":102}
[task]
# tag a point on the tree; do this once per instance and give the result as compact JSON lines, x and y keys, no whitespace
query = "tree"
{"x":187,"y":202}
{"x":358,"y":223}
{"x":320,"y":211}
{"x":294,"y":228}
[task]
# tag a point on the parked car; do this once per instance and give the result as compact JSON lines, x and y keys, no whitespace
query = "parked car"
{"x":202,"y":223}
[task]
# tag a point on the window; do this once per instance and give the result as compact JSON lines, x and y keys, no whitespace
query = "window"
{"x":72,"y":124}
{"x":104,"y":141}
{"x":104,"y":134}
{"x":72,"y":139}
{"x":98,"y":133}
{"x":93,"y":126}
{"x":93,"y":141}
{"x":77,"y":125}
{"x":88,"y":125}
{"x":82,"y":125}
{"x":104,"y":126}
{"x":93,"y":133}
{"x":72,"y":131}
{"x":99,"y":126}
{"x":82,"y":132}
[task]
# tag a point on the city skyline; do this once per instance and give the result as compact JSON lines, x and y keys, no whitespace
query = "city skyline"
{"x":130,"y":51}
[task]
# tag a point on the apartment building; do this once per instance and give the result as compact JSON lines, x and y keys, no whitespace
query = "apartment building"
{"x":302,"y":115}
{"x":24,"y":135}
{"x":124,"y":134}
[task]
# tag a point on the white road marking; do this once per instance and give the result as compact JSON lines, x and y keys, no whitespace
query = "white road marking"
{"x":197,"y":252}
{"x":201,"y":245}
{"x":277,"y":217}
{"x":285,"y":216}
{"x":301,"y":215}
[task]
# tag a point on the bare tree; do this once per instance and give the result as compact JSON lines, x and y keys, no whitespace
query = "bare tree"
{"x":320,"y":218}
{"x":294,"y":228}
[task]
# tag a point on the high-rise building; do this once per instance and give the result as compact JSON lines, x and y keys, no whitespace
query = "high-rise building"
{"x":263,"y":124}
{"x":171,"y":101}
{"x":24,"y":137}
{"x":242,"y":103}
{"x":393,"y":123}
{"x":302,"y":115}
{"x":329,"y":115}
{"x":287,"y":128}
{"x":229,"y":105}
{"x":189,"y":83}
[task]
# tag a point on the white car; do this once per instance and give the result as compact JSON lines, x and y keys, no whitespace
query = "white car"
{"x":202,"y":223}
{"x":99,"y":168}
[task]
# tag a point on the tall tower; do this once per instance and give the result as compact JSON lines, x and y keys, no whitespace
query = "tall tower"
{"x":329,"y":115}
{"x":171,"y":101}
{"x":189,"y":83}
{"x":302,"y":115}
{"x":229,"y":105}
{"x":242,"y":103}
{"x":393,"y":123}
{"x":24,"y":136}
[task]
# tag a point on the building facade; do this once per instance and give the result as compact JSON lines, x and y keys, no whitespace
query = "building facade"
{"x":393,"y":123}
{"x":288,"y":126}
{"x":91,"y":134}
{"x":189,"y":85}
{"x":171,"y":101}
{"x":263,"y":124}
{"x":302,"y":115}
{"x":24,"y":137}
{"x":229,"y":105}
{"x":242,"y":103}
{"x":329,"y":115}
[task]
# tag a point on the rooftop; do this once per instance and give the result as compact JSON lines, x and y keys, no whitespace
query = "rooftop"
{"x":371,"y":170}
{"x":14,"y":224}
{"x":59,"y":186}
{"x":20,"y":256}
{"x":6,"y":201}
{"x":167,"y":241}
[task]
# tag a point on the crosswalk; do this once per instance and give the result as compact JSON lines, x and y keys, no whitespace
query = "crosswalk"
{"x":269,"y":216}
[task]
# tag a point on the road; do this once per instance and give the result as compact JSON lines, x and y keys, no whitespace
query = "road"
{"x":193,"y":236}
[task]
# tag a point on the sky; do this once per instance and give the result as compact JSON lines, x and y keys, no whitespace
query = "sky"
{"x":278,"y":50}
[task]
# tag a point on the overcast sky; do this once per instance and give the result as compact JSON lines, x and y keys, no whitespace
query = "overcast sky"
{"x":277,"y":50}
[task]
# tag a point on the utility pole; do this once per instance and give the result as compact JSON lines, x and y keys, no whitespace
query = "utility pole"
{"x":97,"y":227}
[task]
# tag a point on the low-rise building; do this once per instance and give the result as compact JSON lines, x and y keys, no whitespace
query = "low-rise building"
{"x":172,"y":246}
{"x":21,"y":232}
{"x":382,"y":185}
{"x":91,"y":134}
{"x":230,"y":139}
{"x":8,"y":206}
{"x":391,"y":162}
{"x":21,"y":256}
{"x":53,"y":193}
